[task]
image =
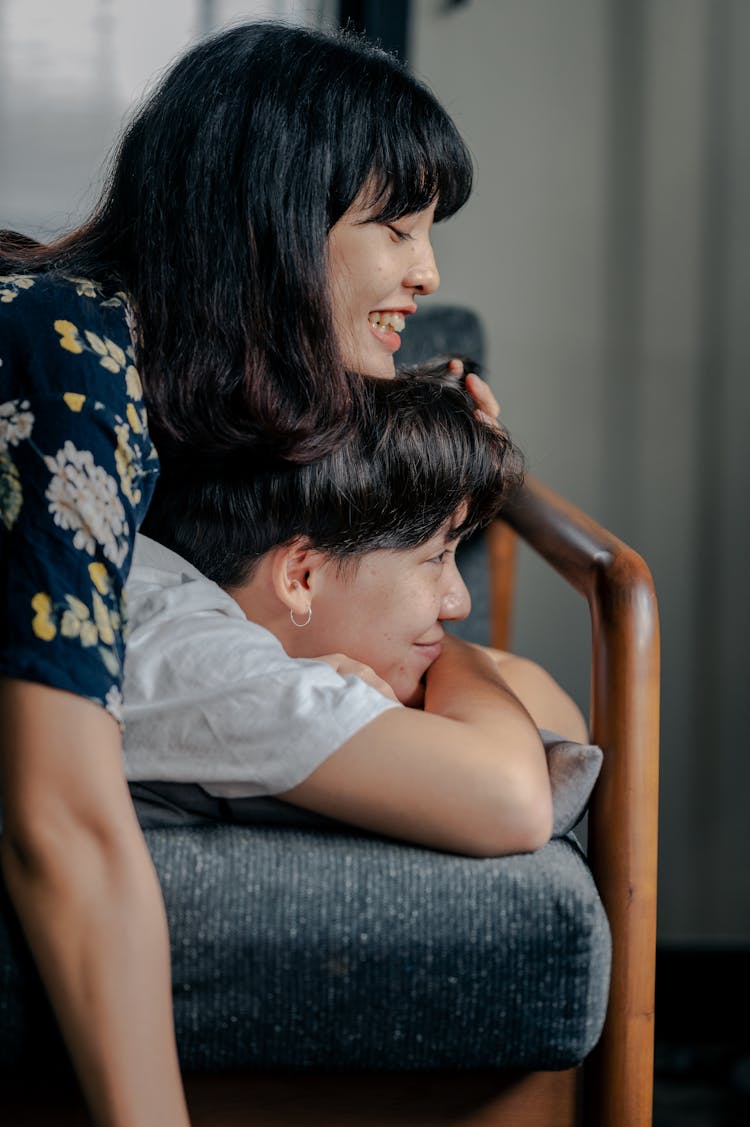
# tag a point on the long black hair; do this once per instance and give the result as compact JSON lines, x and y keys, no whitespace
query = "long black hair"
{"x":215,"y":218}
{"x":419,"y":454}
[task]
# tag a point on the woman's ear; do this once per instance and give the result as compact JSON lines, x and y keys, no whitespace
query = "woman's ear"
{"x":295,"y":574}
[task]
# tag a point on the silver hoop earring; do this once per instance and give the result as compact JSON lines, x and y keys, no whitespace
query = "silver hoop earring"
{"x":307,"y":620}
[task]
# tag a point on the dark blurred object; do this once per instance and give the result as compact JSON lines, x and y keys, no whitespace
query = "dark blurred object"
{"x":702,"y":1058}
{"x":383,"y":21}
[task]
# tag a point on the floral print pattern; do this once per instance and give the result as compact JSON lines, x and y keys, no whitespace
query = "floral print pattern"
{"x":16,"y":422}
{"x":77,"y":469}
{"x":12,"y":284}
{"x":84,"y":498}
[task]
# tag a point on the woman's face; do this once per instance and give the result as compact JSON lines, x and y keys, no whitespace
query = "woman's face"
{"x":375,"y":271}
{"x":387,"y":611}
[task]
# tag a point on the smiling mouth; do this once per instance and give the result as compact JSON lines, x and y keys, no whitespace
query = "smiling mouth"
{"x":387,"y":321}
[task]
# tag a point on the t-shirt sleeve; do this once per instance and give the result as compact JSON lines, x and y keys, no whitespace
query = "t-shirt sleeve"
{"x":213,"y":699}
{"x":77,"y":469}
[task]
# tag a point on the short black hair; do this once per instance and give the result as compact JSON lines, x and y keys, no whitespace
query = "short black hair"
{"x":419,"y":453}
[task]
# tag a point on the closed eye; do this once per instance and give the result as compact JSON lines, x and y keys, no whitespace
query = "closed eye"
{"x":400,"y":235}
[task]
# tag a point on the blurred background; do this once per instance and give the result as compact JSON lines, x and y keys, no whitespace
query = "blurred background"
{"x":607,"y":249}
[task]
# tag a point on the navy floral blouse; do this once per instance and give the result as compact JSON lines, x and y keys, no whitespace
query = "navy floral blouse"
{"x":77,"y":470}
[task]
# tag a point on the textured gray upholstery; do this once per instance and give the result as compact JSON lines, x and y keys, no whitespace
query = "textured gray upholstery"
{"x":300,"y":949}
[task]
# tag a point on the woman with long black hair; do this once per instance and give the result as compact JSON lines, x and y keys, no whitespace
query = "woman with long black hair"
{"x":266,"y":226}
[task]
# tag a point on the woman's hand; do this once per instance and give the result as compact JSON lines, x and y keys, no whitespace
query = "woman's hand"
{"x":347,"y":666}
{"x":488,"y":408}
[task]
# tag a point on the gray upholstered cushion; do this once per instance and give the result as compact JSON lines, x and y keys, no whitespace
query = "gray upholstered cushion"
{"x":307,"y":949}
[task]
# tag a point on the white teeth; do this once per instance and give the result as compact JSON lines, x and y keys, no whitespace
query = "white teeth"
{"x":387,"y":321}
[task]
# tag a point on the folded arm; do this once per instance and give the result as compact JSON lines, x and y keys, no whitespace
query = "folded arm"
{"x":468,"y":774}
{"x":548,"y":704}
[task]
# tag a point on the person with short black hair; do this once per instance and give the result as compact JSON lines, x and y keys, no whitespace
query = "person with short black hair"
{"x":281,"y":614}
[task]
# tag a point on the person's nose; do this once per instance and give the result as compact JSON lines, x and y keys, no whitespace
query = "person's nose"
{"x":456,"y":601}
{"x":422,"y":275}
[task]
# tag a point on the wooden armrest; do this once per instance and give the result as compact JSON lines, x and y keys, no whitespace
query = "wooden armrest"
{"x":622,"y":831}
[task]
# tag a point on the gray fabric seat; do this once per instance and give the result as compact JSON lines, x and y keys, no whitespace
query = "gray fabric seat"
{"x":304,"y":949}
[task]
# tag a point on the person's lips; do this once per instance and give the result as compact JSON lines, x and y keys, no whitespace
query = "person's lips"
{"x":430,"y":650}
{"x":389,"y":340}
{"x":386,"y":325}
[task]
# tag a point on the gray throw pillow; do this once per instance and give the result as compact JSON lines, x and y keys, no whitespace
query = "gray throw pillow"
{"x":573,"y":770}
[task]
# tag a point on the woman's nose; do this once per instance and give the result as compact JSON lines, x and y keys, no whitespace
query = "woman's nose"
{"x":456,"y":602}
{"x":422,"y":275}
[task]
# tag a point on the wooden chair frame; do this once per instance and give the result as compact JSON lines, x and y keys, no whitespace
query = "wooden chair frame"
{"x":614,"y":1087}
{"x":623,"y":815}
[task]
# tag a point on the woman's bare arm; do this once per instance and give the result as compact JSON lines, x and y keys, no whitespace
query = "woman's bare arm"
{"x":83,"y":885}
{"x":468,"y":774}
{"x":547,"y":703}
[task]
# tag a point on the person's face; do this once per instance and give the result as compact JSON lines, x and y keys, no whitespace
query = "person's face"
{"x":388,"y":611}
{"x":375,"y":271}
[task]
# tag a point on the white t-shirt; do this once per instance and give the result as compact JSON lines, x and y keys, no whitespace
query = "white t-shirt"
{"x":212,"y":698}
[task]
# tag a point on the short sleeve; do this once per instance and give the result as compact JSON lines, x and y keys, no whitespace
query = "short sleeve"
{"x":77,"y":470}
{"x":212,"y":698}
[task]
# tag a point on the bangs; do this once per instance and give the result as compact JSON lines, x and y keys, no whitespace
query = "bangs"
{"x":422,"y":460}
{"x":410,"y":172}
{"x":456,"y":459}
{"x":460,"y":467}
{"x":397,"y":150}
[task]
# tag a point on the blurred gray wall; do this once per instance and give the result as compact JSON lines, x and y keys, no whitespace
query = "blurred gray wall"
{"x":607,"y":247}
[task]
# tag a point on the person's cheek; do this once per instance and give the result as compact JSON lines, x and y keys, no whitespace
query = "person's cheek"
{"x":407,"y":685}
